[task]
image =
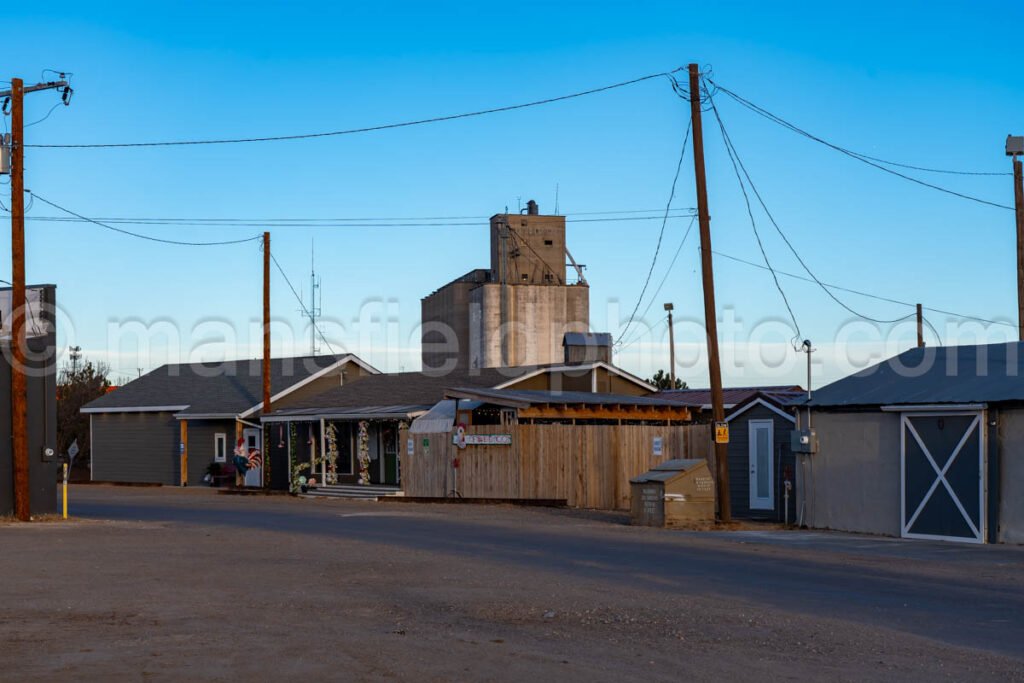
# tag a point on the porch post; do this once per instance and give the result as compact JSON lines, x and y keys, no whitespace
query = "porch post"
{"x":323,"y":453}
{"x":183,"y":447}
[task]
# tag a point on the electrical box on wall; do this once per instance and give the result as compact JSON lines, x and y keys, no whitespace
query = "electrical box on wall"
{"x":804,"y":441}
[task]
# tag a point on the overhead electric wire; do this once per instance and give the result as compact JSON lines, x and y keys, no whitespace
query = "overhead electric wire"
{"x":664,"y":279}
{"x":365,"y":129}
{"x":138,"y":235}
{"x":661,"y":233}
{"x":325,"y":222}
{"x":789,"y":244}
{"x":870,"y":161}
{"x":302,"y":305}
{"x":731,"y":151}
{"x":865,"y":294}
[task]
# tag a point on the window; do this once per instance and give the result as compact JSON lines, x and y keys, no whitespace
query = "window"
{"x":548,"y":243}
{"x":220,"y":447}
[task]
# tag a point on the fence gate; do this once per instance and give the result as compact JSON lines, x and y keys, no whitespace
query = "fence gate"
{"x":943,"y":472}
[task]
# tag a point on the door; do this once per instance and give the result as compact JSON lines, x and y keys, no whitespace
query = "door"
{"x":761,"y":450}
{"x":389,"y":446}
{"x":943,"y":476}
{"x":254,"y":451}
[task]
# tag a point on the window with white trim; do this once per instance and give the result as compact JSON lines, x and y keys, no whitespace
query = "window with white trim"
{"x":220,"y":447}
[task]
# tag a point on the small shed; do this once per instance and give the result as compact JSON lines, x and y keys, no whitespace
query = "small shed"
{"x":673,"y":493}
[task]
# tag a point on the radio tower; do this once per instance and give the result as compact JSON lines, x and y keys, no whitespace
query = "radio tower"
{"x":313,"y":311}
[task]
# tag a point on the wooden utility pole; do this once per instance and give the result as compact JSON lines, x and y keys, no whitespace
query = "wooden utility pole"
{"x":19,"y":397}
{"x":1018,"y":197}
{"x":266,"y":323}
{"x":710,"y":320}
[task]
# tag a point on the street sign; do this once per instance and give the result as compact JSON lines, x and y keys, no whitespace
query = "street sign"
{"x":721,"y":432}
{"x":73,"y":450}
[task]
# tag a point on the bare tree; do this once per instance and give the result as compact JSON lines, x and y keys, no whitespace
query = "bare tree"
{"x":77,"y":384}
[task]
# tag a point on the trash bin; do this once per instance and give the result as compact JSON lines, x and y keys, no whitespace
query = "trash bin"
{"x":675,"y":492}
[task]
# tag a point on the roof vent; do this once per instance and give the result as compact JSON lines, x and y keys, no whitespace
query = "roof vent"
{"x":532,"y":209}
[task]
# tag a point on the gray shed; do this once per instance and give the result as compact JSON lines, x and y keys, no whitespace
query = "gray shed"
{"x":927,"y":444}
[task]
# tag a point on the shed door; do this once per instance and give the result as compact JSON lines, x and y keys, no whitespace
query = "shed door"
{"x":762,"y":465}
{"x":943,"y":468}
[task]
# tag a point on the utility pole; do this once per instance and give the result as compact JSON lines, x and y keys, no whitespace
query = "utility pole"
{"x":1014,"y":148}
{"x":266,"y":323}
{"x":19,"y":398}
{"x":920,"y":327}
{"x":710,"y":320}
{"x":671,"y":348}
{"x":266,"y":353}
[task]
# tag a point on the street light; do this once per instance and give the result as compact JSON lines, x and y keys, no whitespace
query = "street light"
{"x":671,"y":347}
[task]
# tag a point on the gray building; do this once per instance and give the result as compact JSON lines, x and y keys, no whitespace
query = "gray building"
{"x":517,"y":311}
{"x":169,"y":425}
{"x":927,"y":444}
{"x":41,"y":381}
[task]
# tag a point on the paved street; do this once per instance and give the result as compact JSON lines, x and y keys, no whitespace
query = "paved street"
{"x":172,"y":583}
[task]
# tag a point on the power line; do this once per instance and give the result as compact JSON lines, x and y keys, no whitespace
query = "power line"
{"x":865,"y":294}
{"x":305,"y":310}
{"x":664,"y":279}
{"x":870,"y":161}
{"x":323,"y":223}
{"x":366,"y":129}
{"x":140,"y":236}
{"x":661,"y":233}
{"x":789,"y":244}
{"x":733,"y":157}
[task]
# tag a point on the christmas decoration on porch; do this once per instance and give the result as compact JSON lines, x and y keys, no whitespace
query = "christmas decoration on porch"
{"x":363,"y":452}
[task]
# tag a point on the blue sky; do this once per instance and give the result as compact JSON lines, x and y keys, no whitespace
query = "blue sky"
{"x":932,"y":84}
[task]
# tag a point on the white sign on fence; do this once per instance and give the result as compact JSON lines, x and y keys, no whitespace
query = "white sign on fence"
{"x":484,"y":439}
{"x":657,"y":446}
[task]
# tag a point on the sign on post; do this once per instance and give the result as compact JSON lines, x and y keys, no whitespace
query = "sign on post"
{"x":721,"y":432}
{"x":657,"y":446}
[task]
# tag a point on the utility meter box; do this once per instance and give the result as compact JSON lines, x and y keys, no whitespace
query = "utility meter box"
{"x":804,"y":441}
{"x":5,"y":154}
{"x":672,"y":494}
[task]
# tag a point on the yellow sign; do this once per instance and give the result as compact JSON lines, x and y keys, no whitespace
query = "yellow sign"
{"x":721,"y":432}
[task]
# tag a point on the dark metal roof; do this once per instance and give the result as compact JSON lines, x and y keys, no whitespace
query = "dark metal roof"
{"x":989,"y":373}
{"x":698,"y":398}
{"x":587,"y":339}
{"x":228,"y":387}
{"x":532,"y":396}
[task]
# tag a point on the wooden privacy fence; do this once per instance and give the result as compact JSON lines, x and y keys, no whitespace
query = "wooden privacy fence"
{"x":589,"y":466}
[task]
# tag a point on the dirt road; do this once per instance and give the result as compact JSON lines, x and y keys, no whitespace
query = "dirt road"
{"x":164,"y":584}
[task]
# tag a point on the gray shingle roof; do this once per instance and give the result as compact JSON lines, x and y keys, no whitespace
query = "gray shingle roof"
{"x":405,"y":389}
{"x":989,"y":373}
{"x":532,"y":396}
{"x":229,"y":387}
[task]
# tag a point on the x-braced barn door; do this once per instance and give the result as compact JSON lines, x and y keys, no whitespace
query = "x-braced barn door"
{"x":943,"y":472}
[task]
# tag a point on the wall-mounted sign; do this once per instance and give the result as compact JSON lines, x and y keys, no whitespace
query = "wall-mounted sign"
{"x":484,"y":439}
{"x":410,"y":446}
{"x":657,"y":446}
{"x":459,"y":438}
{"x":721,"y":432}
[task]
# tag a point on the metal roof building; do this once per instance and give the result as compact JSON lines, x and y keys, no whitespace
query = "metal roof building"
{"x":926,"y":444}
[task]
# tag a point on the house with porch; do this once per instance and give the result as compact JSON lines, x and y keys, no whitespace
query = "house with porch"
{"x":169,"y":425}
{"x":350,"y":435}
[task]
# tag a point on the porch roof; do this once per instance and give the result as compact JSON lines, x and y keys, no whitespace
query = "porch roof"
{"x":399,"y":412}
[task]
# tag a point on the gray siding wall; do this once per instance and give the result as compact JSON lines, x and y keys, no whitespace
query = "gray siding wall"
{"x":201,"y":446}
{"x":136,"y":447}
{"x":739,"y":464}
{"x":1011,"y":476}
{"x":853,"y":482}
